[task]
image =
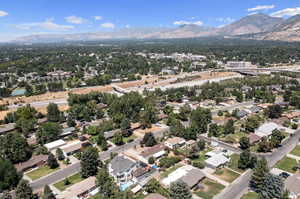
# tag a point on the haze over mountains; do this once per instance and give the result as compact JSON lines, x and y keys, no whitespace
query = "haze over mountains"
{"x":257,"y":26}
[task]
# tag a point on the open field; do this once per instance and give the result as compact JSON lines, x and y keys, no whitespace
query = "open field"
{"x":296,"y":151}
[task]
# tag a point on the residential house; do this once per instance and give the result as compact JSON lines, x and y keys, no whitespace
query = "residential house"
{"x":54,"y":145}
{"x":34,"y":161}
{"x":188,"y":174}
{"x":7,"y":128}
{"x":242,"y":113}
{"x":253,"y":138}
{"x":67,"y":131}
{"x":255,"y":109}
{"x":71,"y":148}
{"x":79,"y":190}
{"x":292,"y":184}
{"x":174,"y":142}
{"x":156,"y":152}
{"x":266,"y":129}
{"x":121,"y":168}
{"x":216,"y":161}
{"x":155,"y":196}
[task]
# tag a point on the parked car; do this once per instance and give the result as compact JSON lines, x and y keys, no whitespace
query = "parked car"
{"x":284,"y":175}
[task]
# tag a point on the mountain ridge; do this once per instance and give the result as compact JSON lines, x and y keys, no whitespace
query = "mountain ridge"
{"x":258,"y":26}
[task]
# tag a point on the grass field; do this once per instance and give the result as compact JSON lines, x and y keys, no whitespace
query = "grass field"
{"x":226,"y":174}
{"x":211,"y":189}
{"x":296,"y":151}
{"x":72,"y":179}
{"x":170,"y":170}
{"x":40,"y":172}
{"x":250,"y":195}
{"x":287,"y":164}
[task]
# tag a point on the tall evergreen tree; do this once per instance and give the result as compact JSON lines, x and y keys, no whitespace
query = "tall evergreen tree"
{"x":273,"y":187}
{"x":259,"y":175}
{"x":9,"y":177}
{"x":48,"y":194}
{"x":52,"y":162}
{"x":180,"y":190}
{"x":53,"y":113}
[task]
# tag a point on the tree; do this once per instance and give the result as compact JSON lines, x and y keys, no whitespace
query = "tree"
{"x":152,"y":186}
{"x":48,"y":132}
{"x":118,"y":139}
{"x":148,"y":116}
{"x":200,"y":119}
{"x":259,"y":175}
{"x":151,"y":160}
{"x":264,"y":145}
{"x":24,"y":191}
{"x":101,"y":141}
{"x":52,"y":162}
{"x":59,"y":154}
{"x":201,"y":144}
{"x":276,"y":138}
{"x":244,"y":143}
{"x":14,"y":147}
{"x":252,"y":123}
{"x":149,"y":140}
{"x":180,"y":190}
{"x":105,"y":184}
{"x":89,"y":162}
{"x":28,"y":90}
{"x":273,"y":187}
{"x":246,"y":160}
{"x":53,"y":113}
{"x":229,"y":127}
{"x":9,"y":177}
{"x":274,"y":111}
{"x":6,"y":195}
{"x":214,"y":130}
{"x":70,"y":121}
{"x":48,"y":194}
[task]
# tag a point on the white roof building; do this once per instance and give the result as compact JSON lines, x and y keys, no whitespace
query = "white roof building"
{"x":216,"y":161}
{"x":54,"y":145}
{"x":266,"y":129}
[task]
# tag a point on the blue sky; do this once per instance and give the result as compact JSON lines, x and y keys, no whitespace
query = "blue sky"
{"x":25,"y":17}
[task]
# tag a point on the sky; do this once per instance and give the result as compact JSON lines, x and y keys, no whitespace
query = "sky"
{"x":27,"y":17}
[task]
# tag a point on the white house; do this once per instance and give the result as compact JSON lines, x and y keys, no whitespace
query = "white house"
{"x":174,"y":142}
{"x":216,"y":161}
{"x":54,"y":145}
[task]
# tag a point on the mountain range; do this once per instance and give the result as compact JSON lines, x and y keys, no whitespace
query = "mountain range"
{"x":256,"y":26}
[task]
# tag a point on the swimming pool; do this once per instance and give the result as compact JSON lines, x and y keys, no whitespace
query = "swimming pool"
{"x":124,"y":186}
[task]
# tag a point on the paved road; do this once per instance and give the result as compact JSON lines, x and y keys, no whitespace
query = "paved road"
{"x":240,"y":186}
{"x":75,"y":168}
{"x":62,"y":101}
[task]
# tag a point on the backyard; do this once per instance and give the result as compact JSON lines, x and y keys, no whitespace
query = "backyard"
{"x":226,"y":174}
{"x":250,"y":195}
{"x":40,"y":172}
{"x":211,"y":188}
{"x":233,"y":164}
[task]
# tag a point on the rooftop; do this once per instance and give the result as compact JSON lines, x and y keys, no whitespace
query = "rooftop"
{"x":293,"y":183}
{"x":120,"y":164}
{"x":31,"y":162}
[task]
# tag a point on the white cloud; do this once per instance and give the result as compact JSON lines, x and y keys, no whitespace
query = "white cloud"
{"x":225,"y":19}
{"x":75,"y":20}
{"x":97,"y":18}
{"x":286,"y":12}
{"x":3,"y":13}
{"x":181,"y":22}
{"x":261,"y":7}
{"x":127,"y":26}
{"x":108,"y":25}
{"x":48,"y":24}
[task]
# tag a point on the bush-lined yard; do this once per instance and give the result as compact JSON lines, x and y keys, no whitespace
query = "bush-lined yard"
{"x":40,"y":172}
{"x":211,"y":188}
{"x":226,"y":174}
{"x":72,"y":180}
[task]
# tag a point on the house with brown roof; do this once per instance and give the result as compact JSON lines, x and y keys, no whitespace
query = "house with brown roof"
{"x":156,"y":152}
{"x":71,"y":148}
{"x":292,"y":184}
{"x":80,"y":189}
{"x":34,"y":161}
{"x":174,"y":142}
{"x":155,"y":196}
{"x":253,"y":138}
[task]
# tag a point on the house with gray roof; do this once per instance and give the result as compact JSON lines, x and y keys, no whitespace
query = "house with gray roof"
{"x":121,"y":168}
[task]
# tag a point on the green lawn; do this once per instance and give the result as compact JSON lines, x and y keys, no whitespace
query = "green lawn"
{"x":250,"y":195}
{"x":132,"y":137}
{"x":233,"y":164}
{"x":72,"y":179}
{"x":226,"y":174}
{"x":170,"y":170}
{"x":287,"y":164}
{"x":211,"y":189}
{"x":40,"y":172}
{"x":296,"y":151}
